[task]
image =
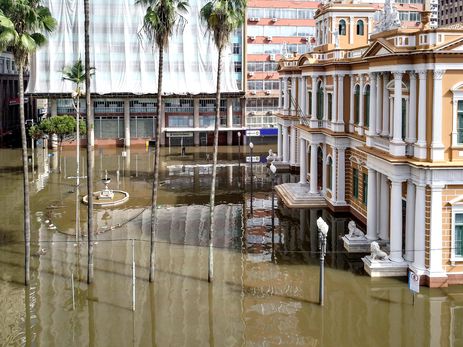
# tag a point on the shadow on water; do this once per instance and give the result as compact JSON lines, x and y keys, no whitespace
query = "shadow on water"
{"x":265,"y":290}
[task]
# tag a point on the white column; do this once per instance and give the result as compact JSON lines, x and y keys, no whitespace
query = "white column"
{"x":313,"y":168}
{"x":292,"y":148}
{"x":285,"y":95}
{"x":384,"y":208}
{"x":351,"y":31}
{"x":378,"y":103}
{"x":303,"y":161}
{"x":372,"y":123}
{"x":333,"y":177}
{"x":196,"y":122}
{"x":340,"y":103}
{"x":411,"y":134}
{"x":285,"y":144}
{"x":372,"y":232}
{"x":397,"y":146}
{"x":126,"y":123}
{"x":419,"y":244}
{"x":280,"y":92}
{"x":324,"y":158}
{"x":341,"y":175}
{"x":280,"y":141}
{"x":325,"y":100}
{"x":435,"y":244}
{"x":351,"y":103}
{"x":361,"y":107}
{"x":385,"y":127}
{"x":53,"y":107}
{"x":314,"y":97}
{"x":410,"y":221}
{"x":437,"y":148}
{"x":334,"y":100}
{"x":420,"y":145}
{"x":304,"y":96}
{"x":396,"y":221}
{"x":292,"y":102}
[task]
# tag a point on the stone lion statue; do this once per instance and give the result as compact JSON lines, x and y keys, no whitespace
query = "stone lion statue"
{"x":353,"y":230}
{"x":272,"y":156}
{"x":376,"y":252}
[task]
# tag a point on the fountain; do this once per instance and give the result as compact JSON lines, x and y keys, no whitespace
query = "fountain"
{"x":107,"y":197}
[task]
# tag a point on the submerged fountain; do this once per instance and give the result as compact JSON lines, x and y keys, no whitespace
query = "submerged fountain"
{"x":107,"y":197}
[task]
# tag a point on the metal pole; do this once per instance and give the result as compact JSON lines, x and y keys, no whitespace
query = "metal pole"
{"x":73,"y":296}
{"x":273,"y":217}
{"x":322,"y":266}
{"x":133,"y":275}
{"x":252,"y":181}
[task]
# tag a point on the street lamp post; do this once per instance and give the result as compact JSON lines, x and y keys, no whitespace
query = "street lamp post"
{"x":251,"y":147}
{"x":322,"y":234}
{"x":239,"y":146}
{"x":273,"y":170}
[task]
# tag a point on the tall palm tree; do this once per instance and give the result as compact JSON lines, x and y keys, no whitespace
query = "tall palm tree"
{"x":76,"y":74}
{"x":221,"y":17}
{"x":161,"y":19}
{"x":30,"y":21}
{"x":90,"y":134}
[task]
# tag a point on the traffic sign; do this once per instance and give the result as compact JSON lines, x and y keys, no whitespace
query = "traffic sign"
{"x":413,"y":281}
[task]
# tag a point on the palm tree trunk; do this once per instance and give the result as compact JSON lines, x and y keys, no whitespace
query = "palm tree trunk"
{"x":157,"y":139}
{"x":27,"y":217}
{"x":90,"y":157}
{"x":78,"y":171}
{"x":210,"y":273}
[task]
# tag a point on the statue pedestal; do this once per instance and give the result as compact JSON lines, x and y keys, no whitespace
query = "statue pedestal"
{"x":106,"y":195}
{"x":384,"y":268}
{"x":359,"y":244}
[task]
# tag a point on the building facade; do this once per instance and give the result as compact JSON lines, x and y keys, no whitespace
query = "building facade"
{"x":124,"y":85}
{"x":450,"y":12}
{"x":376,"y":128}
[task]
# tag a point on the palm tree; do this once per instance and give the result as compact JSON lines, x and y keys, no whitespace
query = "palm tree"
{"x":161,"y":19}
{"x":90,"y":153}
{"x":76,"y":75}
{"x":221,"y":17}
{"x":30,"y":20}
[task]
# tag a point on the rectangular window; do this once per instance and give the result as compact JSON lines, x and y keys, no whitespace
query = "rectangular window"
{"x":460,"y":122}
{"x":355,"y":183}
{"x":365,"y":188}
{"x":236,"y":48}
{"x":330,"y":106}
{"x":310,"y":104}
{"x":237,"y":66}
{"x":458,"y":234}
{"x":367,"y":108}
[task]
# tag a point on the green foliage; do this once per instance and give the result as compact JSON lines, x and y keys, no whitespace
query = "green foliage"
{"x":222,"y":17}
{"x":76,"y":74}
{"x":162,"y":18}
{"x":29,"y":22}
{"x":62,"y":126}
{"x":35,"y":132}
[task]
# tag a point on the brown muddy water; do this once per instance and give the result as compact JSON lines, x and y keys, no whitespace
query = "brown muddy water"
{"x":263,"y":294}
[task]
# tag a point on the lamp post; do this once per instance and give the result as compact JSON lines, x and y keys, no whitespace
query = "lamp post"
{"x":239,"y":146}
{"x":273,"y":170}
{"x":251,"y":147}
{"x":322,"y":234}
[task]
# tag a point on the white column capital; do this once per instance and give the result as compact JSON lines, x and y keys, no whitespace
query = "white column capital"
{"x":412,"y":75}
{"x":438,"y":74}
{"x":398,"y":75}
{"x":422,"y":74}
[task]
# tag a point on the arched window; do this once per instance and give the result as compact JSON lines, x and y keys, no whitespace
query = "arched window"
{"x":320,"y":100}
{"x":342,"y":27}
{"x":357,"y":104}
{"x":329,"y":176}
{"x":367,"y":105}
{"x":360,"y":27}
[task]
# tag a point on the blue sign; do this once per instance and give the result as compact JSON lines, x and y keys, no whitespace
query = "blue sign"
{"x":269,"y":132}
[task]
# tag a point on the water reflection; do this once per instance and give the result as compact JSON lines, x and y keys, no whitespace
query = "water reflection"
{"x":265,"y":293}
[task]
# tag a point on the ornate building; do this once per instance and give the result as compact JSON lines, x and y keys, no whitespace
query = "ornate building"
{"x":373,"y":118}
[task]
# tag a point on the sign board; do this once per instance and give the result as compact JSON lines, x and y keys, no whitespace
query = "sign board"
{"x":255,"y":159}
{"x":253,"y":132}
{"x":269,"y":132}
{"x":413,"y":281}
{"x":189,"y":134}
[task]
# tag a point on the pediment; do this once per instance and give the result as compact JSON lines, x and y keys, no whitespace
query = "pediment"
{"x":456,"y":201}
{"x":377,"y":49}
{"x":456,"y":45}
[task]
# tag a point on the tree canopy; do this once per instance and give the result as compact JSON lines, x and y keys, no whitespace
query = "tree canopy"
{"x":62,"y":126}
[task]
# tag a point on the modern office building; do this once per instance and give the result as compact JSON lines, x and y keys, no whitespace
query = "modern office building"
{"x":124,"y":86}
{"x":376,"y":128}
{"x":277,"y":29}
{"x":9,"y":101}
{"x":450,"y":12}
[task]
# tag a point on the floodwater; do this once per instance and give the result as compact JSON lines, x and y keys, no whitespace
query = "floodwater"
{"x":263,"y":294}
